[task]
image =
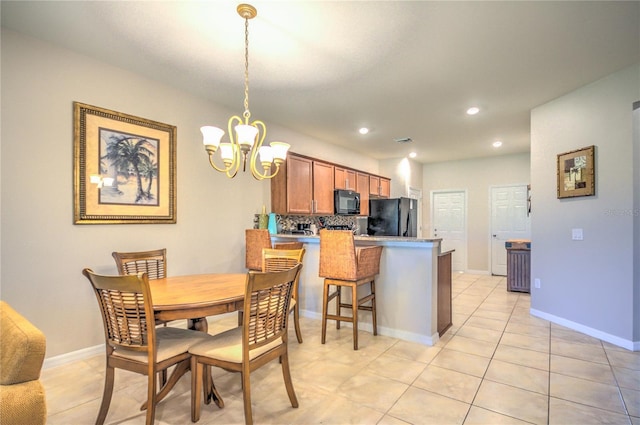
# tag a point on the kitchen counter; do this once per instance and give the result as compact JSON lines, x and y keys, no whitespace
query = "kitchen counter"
{"x":361,"y":240}
{"x":406,"y":288}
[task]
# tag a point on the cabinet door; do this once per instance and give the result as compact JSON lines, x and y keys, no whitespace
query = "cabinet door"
{"x":362,"y":187}
{"x":323,"y":185}
{"x":345,"y":179}
{"x":340,"y":178}
{"x":299,"y":185}
{"x":385,"y":187}
{"x":374,"y":185}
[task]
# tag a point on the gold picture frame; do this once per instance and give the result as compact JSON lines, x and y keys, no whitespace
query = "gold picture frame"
{"x":124,"y":168}
{"x":576,"y":173}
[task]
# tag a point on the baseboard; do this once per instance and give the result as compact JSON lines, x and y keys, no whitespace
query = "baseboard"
{"x":73,"y":356}
{"x":394,"y":333}
{"x":612,"y":339}
{"x":478,"y":272}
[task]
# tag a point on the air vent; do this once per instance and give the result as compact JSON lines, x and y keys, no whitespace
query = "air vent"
{"x":404,"y":140}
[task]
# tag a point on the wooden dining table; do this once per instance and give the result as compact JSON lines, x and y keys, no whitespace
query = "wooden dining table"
{"x":194,"y":297}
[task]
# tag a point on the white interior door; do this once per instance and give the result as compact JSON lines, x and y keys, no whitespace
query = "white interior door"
{"x":449,"y":214}
{"x":509,"y":220}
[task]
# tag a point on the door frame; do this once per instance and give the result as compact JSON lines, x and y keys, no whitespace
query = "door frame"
{"x":415,"y":193}
{"x":465,"y":192}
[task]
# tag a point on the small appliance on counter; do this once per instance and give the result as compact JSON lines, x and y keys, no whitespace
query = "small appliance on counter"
{"x":346,"y":202}
{"x":393,"y":217}
{"x":338,"y":227}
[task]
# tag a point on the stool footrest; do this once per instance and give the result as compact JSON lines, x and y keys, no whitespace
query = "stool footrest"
{"x":340,"y":318}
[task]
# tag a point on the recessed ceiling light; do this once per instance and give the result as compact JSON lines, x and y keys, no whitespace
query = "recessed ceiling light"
{"x":363,"y":130}
{"x":473,"y":110}
{"x":497,"y":144}
{"x":412,"y":155}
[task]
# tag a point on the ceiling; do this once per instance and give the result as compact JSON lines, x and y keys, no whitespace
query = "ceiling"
{"x":325,"y":68}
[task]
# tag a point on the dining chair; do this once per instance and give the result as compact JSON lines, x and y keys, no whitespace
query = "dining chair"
{"x":282,"y":259}
{"x":342,"y":264}
{"x":255,"y":241}
{"x":132,"y":343}
{"x":261,"y":338}
{"x":154,"y":263}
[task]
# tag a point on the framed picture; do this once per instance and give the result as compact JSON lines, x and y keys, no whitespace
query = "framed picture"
{"x":576,"y":173}
{"x":124,"y":168}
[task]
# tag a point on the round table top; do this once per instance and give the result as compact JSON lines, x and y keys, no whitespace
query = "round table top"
{"x":197,"y":291}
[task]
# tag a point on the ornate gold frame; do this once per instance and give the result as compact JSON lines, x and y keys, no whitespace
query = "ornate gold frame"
{"x":99,"y":131}
{"x":576,"y":173}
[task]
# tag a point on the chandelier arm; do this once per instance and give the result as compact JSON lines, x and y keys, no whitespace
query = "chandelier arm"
{"x":215,"y":167}
{"x":256,"y":149}
{"x":233,"y":138}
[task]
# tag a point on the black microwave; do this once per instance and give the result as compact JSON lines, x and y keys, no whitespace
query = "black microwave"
{"x":346,"y":202}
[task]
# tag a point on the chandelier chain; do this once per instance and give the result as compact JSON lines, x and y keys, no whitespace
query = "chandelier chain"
{"x":246,"y":114}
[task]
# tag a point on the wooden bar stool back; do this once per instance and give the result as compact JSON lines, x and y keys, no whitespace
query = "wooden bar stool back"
{"x":342,"y":264}
{"x":255,"y":241}
{"x":275,"y":260}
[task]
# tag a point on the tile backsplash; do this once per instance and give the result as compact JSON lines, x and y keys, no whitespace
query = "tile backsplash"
{"x":288,"y":223}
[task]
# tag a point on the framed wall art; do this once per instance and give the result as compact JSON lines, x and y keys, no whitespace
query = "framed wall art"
{"x":576,"y":173}
{"x":124,"y":168}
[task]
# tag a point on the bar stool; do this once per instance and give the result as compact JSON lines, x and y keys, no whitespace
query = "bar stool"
{"x":342,"y":264}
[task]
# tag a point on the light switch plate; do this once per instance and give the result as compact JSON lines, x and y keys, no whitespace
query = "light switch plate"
{"x":576,"y":234}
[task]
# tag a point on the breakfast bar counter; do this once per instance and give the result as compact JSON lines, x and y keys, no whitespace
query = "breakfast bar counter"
{"x":406,"y":288}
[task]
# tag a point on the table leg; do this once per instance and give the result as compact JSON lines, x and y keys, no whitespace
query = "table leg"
{"x":210,"y":391}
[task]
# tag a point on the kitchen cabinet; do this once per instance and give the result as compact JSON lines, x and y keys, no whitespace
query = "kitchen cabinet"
{"x":379,"y":187}
{"x":323,"y":184}
{"x":362,"y":187}
{"x":303,"y":186}
{"x":445,"y":311}
{"x":345,"y":178}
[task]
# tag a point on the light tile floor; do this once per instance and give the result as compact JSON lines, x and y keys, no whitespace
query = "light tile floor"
{"x":496,"y":365}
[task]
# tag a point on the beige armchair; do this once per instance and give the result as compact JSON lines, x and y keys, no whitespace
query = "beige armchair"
{"x":22,"y":350}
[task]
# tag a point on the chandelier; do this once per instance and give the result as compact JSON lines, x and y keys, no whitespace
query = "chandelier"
{"x":246,"y":138}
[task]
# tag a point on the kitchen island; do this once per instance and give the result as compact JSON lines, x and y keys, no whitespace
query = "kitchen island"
{"x":406,"y":288}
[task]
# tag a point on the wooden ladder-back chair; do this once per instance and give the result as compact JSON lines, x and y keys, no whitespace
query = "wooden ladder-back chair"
{"x":154,"y":263}
{"x":282,"y":259}
{"x":255,"y":240}
{"x":261,"y":338}
{"x":342,"y":264}
{"x":132,"y":341}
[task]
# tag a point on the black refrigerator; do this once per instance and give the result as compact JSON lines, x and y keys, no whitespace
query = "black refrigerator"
{"x":393,"y":217}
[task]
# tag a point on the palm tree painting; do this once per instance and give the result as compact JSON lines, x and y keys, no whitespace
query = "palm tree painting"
{"x":132,"y":162}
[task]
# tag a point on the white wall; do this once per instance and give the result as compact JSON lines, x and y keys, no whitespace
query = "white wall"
{"x":588,"y":285}
{"x":404,"y":173}
{"x":476,"y":176}
{"x":43,"y":252}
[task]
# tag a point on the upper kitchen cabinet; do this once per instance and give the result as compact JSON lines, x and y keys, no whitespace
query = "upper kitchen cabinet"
{"x":379,"y":187}
{"x":303,"y":186}
{"x":323,"y":184}
{"x":345,"y":178}
{"x":362,"y":187}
